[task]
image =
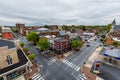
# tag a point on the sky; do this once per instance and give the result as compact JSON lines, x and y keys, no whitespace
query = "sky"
{"x":58,"y":12}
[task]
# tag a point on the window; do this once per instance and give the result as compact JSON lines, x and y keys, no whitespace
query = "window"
{"x":9,"y":60}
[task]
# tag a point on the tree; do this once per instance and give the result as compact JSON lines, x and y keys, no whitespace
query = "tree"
{"x":31,"y":56}
{"x":15,"y":31}
{"x":83,"y":28}
{"x":21,"y":44}
{"x":25,"y":50}
{"x":32,"y":36}
{"x":76,"y":44}
{"x":46,"y":26}
{"x":43,"y":43}
{"x":101,"y":39}
{"x":108,"y":27}
{"x":115,"y":43}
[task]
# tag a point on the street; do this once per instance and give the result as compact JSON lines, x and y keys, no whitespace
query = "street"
{"x":67,"y":69}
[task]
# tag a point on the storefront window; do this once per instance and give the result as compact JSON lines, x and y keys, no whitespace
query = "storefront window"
{"x":15,"y":74}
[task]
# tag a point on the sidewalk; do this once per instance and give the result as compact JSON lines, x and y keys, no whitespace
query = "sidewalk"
{"x":87,"y":67}
{"x":34,"y":69}
{"x":61,"y":57}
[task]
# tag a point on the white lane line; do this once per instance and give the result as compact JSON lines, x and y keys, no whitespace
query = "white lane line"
{"x":40,"y":78}
{"x":35,"y":76}
{"x":70,"y":64}
{"x":78,"y":69}
{"x":73,"y":66}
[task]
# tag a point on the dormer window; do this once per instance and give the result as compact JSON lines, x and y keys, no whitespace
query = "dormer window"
{"x":9,"y":60}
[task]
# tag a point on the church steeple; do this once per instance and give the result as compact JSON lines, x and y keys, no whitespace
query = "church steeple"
{"x":114,"y":22}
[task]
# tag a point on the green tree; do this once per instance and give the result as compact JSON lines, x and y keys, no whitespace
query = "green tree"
{"x":43,"y":43}
{"x":21,"y":44}
{"x":15,"y":31}
{"x":101,"y":39}
{"x":76,"y":44}
{"x":115,"y":43}
{"x":32,"y":36}
{"x":46,"y":26}
{"x":108,"y":27}
{"x":25,"y":50}
{"x":31,"y":56}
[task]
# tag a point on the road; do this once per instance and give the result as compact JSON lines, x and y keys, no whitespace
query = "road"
{"x":67,"y":69}
{"x":110,"y":72}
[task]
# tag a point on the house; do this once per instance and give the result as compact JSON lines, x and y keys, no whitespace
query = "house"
{"x":63,"y":34}
{"x":89,"y":33}
{"x":115,"y":36}
{"x":13,"y":62}
{"x":6,"y":33}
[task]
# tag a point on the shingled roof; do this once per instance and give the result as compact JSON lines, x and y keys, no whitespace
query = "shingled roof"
{"x":7,"y":43}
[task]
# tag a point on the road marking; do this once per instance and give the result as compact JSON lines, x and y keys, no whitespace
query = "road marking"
{"x":35,"y":76}
{"x":78,"y":69}
{"x":71,"y":65}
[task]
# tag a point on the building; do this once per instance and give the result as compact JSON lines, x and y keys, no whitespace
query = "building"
{"x":6,"y":33}
{"x":53,"y":27}
{"x":115,"y":36}
{"x":63,"y":34}
{"x":89,"y":33}
{"x":13,"y":62}
{"x":112,"y":56}
{"x":114,"y":27}
{"x":20,"y":27}
{"x":59,"y":45}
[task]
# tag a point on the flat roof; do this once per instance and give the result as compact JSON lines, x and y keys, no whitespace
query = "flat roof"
{"x":115,"y":53}
{"x":22,"y":61}
{"x":4,"y":43}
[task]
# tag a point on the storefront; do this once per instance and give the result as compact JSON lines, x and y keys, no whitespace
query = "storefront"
{"x":15,"y":74}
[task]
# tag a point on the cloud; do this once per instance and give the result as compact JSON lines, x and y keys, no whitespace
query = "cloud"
{"x":41,"y":12}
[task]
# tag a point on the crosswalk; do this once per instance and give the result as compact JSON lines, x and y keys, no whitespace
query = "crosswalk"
{"x":80,"y":77}
{"x":37,"y":77}
{"x":52,"y":60}
{"x":77,"y":68}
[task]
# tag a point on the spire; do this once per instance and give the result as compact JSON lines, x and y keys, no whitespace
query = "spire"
{"x":114,"y":22}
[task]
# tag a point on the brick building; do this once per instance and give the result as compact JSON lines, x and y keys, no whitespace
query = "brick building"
{"x":61,"y":45}
{"x":20,"y":27}
{"x":13,"y":62}
{"x":6,"y":33}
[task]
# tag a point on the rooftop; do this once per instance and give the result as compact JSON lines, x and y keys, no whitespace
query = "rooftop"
{"x":116,"y":28}
{"x":7,"y":43}
{"x":62,"y":33}
{"x":22,"y":60}
{"x":115,"y":53}
{"x":115,"y":34}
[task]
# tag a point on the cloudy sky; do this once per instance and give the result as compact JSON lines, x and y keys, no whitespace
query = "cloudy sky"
{"x":76,"y":12}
